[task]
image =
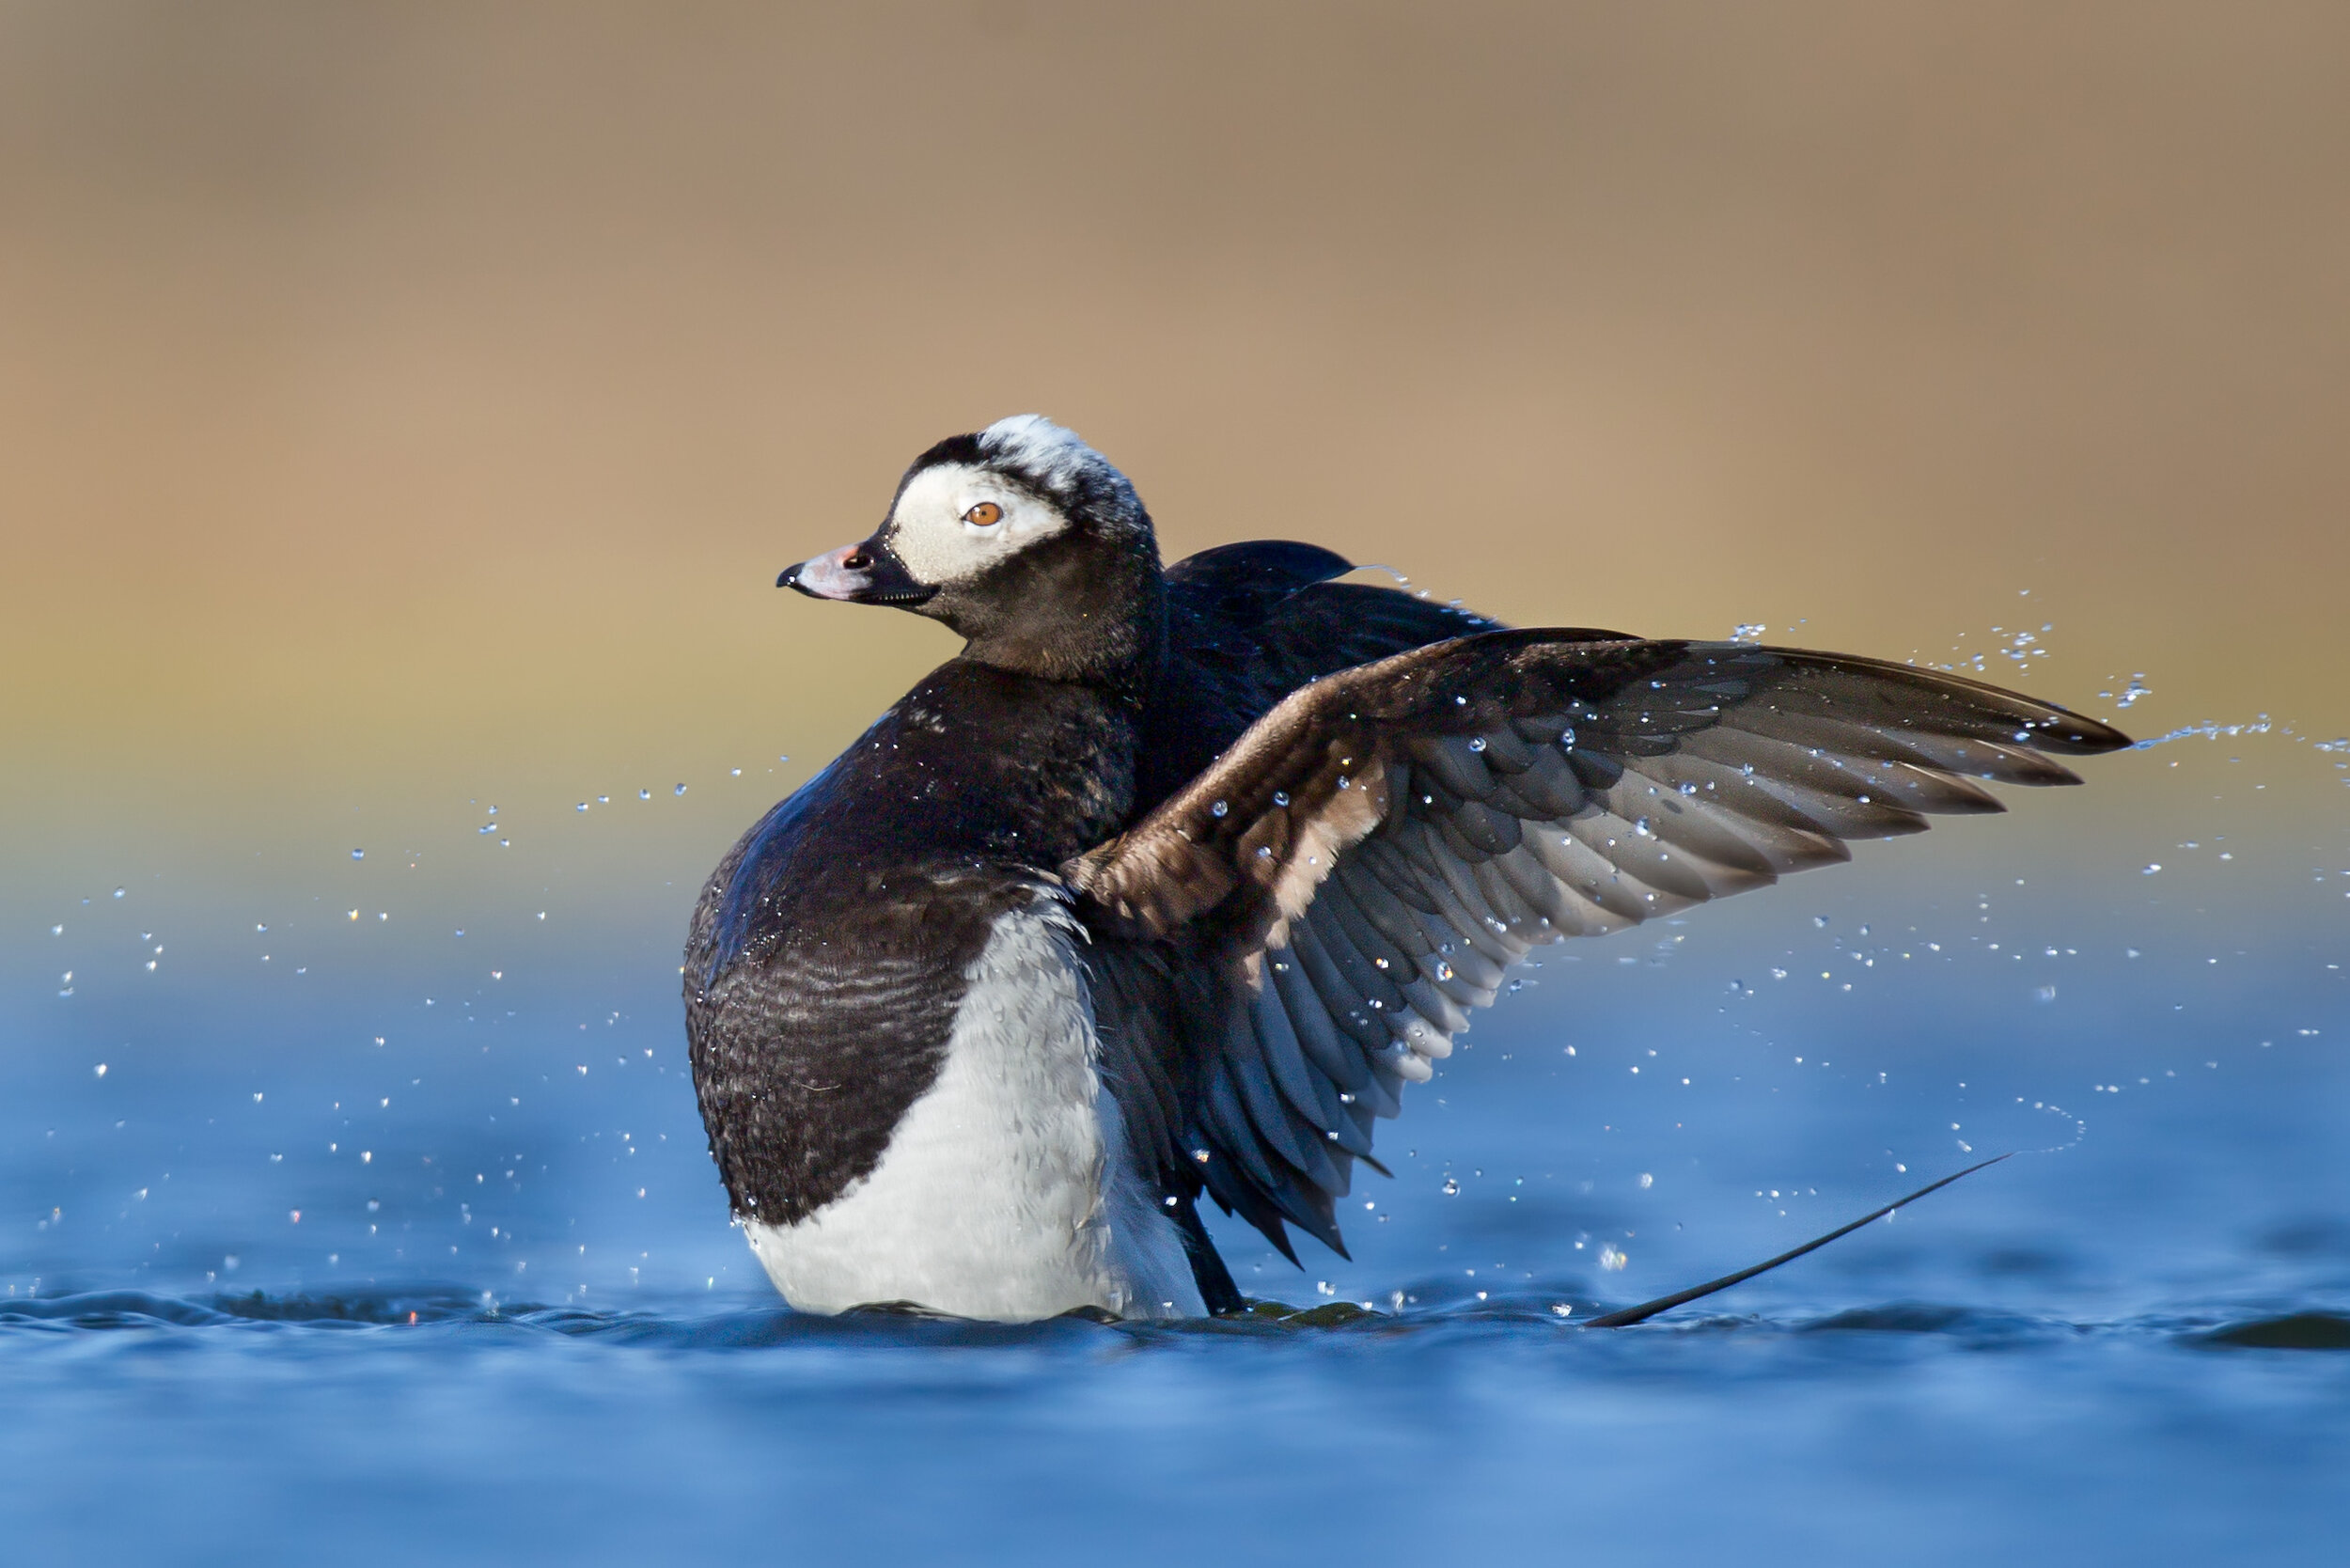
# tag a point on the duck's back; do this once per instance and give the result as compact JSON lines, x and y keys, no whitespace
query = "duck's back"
{"x":1249,"y":623}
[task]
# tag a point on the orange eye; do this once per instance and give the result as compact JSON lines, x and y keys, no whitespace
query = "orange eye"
{"x":986,"y":515}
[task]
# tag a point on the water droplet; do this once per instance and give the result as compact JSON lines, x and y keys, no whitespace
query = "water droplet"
{"x":1477,"y":743}
{"x":354,"y":855}
{"x":1444,"y":970}
{"x":1280,"y":797}
{"x":679,"y":789}
{"x":1219,"y":809}
{"x":1451,"y":1188}
{"x":100,"y":1070}
{"x":644,"y":795}
{"x":59,"y":929}
{"x":1748,"y":631}
{"x":580,"y":807}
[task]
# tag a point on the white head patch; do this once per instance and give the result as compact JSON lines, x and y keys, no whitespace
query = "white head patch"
{"x":955,"y":519}
{"x":937,"y":528}
{"x":1048,"y":453}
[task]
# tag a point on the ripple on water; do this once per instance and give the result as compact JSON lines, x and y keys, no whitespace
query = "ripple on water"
{"x":1513,"y":1316}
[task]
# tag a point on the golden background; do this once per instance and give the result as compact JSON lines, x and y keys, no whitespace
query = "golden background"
{"x":414,"y":397}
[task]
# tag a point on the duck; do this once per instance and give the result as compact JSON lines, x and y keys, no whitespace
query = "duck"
{"x":1175,"y":879}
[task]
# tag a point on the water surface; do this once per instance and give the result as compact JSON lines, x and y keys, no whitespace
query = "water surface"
{"x":387,"y":1232}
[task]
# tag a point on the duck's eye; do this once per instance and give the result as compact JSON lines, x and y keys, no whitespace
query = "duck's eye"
{"x":986,"y":515}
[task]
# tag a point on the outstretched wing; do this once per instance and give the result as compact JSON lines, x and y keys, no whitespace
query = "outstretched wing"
{"x":1328,"y":900}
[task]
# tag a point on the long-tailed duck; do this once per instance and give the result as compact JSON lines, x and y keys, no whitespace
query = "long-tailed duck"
{"x":1173,"y":879}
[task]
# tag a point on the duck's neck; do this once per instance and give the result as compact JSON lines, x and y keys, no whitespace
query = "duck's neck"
{"x":1071,"y":615}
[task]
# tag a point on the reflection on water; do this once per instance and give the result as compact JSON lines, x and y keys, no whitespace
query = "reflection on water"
{"x":357,"y":1204}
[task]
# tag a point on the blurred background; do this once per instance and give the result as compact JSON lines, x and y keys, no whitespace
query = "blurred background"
{"x":404,"y":411}
{"x":400,"y":394}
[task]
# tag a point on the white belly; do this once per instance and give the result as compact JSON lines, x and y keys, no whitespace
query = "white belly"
{"x":1006,"y":1191}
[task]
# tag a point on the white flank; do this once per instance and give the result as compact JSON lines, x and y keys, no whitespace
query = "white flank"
{"x":1005,"y":1192}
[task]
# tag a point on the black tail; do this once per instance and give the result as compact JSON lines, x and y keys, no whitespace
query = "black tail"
{"x":1647,"y":1310}
{"x":1216,"y":1289}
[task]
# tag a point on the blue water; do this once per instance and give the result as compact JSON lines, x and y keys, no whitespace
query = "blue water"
{"x":511,"y":1321}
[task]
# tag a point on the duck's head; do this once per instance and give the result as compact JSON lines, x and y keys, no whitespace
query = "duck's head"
{"x":1023,"y":539}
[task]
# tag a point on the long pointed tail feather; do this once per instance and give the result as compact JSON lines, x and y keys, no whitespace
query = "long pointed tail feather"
{"x":1628,"y":1316}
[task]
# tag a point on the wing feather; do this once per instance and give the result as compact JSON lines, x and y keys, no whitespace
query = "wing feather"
{"x":1362,"y":867}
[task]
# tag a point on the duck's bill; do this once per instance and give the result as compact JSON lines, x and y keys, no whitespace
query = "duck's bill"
{"x":866,"y":574}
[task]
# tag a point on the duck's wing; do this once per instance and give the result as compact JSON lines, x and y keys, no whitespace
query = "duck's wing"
{"x":1301,"y":929}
